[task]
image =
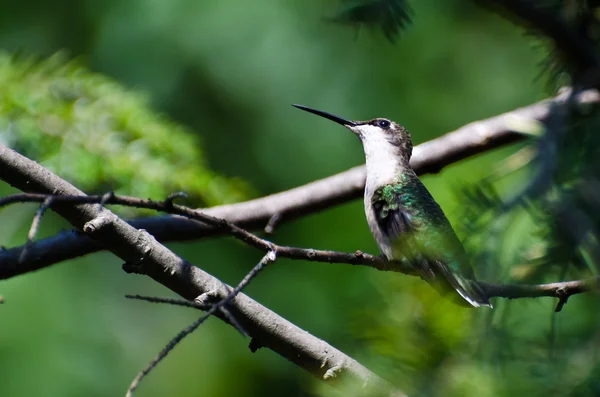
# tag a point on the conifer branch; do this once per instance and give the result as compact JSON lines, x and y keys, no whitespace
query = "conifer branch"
{"x":573,"y":45}
{"x":392,"y":16}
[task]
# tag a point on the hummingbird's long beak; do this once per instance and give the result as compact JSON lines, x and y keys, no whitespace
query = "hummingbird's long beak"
{"x":329,"y":116}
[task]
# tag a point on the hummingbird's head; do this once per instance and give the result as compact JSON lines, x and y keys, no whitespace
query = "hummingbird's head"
{"x":379,"y":136}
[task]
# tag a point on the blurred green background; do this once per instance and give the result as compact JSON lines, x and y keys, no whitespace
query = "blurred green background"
{"x":218,"y":78}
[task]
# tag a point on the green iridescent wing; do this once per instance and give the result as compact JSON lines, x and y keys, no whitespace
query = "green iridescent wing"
{"x":422,"y":235}
{"x":406,"y":209}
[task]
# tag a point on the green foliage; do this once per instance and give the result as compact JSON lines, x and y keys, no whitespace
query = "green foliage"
{"x":553,"y":199}
{"x":534,"y":219}
{"x":549,"y":21}
{"x":391,"y":16}
{"x":90,"y":130}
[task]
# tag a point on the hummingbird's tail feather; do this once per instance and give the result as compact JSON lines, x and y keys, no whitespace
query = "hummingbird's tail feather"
{"x":473,"y":295}
{"x":469,"y":290}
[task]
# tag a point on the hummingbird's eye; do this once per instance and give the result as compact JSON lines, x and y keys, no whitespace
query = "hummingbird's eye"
{"x":383,"y":124}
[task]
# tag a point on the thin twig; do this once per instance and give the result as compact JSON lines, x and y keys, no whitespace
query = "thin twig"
{"x":195,"y":304}
{"x":249,"y":238}
{"x":165,"y":206}
{"x":511,"y":291}
{"x":35,"y":225}
{"x":272,"y":223}
{"x":269,"y":258}
{"x":169,"y":301}
{"x":561,"y":290}
{"x":106,"y":198}
{"x":230,"y":318}
{"x":174,"y":196}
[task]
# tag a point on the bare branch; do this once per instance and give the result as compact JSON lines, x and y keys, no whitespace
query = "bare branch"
{"x":272,"y":223}
{"x":158,"y":262}
{"x":35,"y":225}
{"x":431,"y":156}
{"x":268,"y":258}
{"x":358,"y":258}
{"x":562,"y":290}
{"x":559,"y":290}
{"x":169,"y":301}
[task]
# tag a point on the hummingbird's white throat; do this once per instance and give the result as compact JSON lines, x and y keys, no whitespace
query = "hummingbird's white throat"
{"x":384,"y":160}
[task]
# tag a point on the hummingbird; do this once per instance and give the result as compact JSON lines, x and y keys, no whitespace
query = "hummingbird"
{"x":407,"y":223}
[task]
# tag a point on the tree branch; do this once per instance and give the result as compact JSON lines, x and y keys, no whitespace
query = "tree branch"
{"x":429,"y":157}
{"x":268,"y":258}
{"x":561,"y":290}
{"x":143,"y":253}
{"x":219,"y":224}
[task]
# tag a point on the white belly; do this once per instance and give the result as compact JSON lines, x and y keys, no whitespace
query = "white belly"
{"x":383,"y":242}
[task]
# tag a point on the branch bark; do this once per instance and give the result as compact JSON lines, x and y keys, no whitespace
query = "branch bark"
{"x":429,"y":157}
{"x":142,"y":253}
{"x":562,"y":290}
